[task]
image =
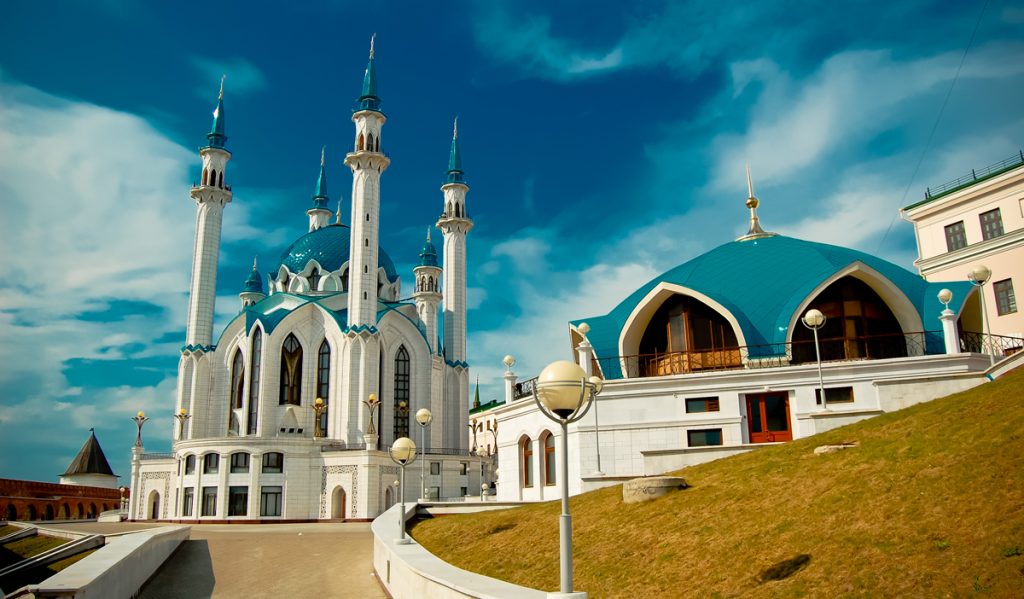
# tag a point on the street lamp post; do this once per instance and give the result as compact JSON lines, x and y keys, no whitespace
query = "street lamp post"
{"x":564,"y":395}
{"x":814,"y":320}
{"x":182,"y":417}
{"x":978,"y":277}
{"x":423,"y":418}
{"x":403,"y":453}
{"x":139,"y":419}
{"x":318,"y":408}
{"x":584,"y":328}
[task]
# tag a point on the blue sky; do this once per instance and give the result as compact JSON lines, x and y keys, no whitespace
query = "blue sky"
{"x":603,"y":142}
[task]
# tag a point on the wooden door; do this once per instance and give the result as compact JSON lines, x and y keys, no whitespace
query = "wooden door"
{"x":768,"y":417}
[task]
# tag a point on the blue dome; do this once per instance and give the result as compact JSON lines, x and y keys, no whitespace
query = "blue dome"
{"x":762,"y":282}
{"x":329,"y":246}
{"x":428,"y":255}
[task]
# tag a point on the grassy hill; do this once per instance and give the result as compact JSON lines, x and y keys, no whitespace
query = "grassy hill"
{"x":930,"y":504}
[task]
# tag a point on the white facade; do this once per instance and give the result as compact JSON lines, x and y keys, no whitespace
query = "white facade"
{"x":978,"y":222}
{"x":249,"y":444}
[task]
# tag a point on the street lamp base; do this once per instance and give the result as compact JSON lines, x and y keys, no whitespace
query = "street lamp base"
{"x":573,"y":595}
{"x":405,"y":541}
{"x":597,"y":473}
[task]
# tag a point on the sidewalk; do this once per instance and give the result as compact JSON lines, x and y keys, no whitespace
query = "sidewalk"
{"x":270,"y":560}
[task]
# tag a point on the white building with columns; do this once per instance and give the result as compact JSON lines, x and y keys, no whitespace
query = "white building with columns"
{"x":274,"y":419}
{"x":711,"y":358}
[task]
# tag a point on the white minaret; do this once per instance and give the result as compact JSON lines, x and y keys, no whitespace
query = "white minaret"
{"x":455,"y":224}
{"x":428,"y":291}
{"x":320,"y":214}
{"x":367,"y":164}
{"x":211,"y":195}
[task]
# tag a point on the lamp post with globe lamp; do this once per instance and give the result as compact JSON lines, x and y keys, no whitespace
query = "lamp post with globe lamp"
{"x":564,"y":395}
{"x":182,"y":417}
{"x":423,"y":418}
{"x":978,"y":277}
{"x":814,"y":320}
{"x":403,"y":453}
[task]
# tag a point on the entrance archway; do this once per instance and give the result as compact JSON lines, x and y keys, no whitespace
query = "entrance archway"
{"x":154,"y":505}
{"x":49,"y":511}
{"x":11,"y":513}
{"x":389,"y":499}
{"x":338,"y":503}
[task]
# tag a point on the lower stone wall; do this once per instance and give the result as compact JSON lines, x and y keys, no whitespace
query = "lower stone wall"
{"x":28,"y":500}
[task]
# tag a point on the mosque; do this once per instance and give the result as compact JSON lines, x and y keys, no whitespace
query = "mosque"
{"x":720,"y":355}
{"x":288,"y":414}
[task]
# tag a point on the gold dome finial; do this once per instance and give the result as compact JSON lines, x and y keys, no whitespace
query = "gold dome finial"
{"x":428,"y":234}
{"x":220,"y":96}
{"x":372,"y":38}
{"x":755,"y":231}
{"x":337,"y":214}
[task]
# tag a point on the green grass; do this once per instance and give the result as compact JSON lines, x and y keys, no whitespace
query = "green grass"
{"x":7,"y":529}
{"x":930,"y":504}
{"x":16,"y":551}
{"x":41,"y":573}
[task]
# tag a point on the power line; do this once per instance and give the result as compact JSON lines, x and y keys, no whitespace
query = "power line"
{"x":935,"y":125}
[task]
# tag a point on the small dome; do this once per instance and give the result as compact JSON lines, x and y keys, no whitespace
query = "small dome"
{"x":254,"y":284}
{"x":329,"y":246}
{"x":428,"y":255}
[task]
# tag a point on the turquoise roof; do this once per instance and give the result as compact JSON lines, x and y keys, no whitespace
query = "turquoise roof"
{"x":762,"y":282}
{"x":369,"y":100}
{"x":455,"y":172}
{"x":254,"y":284}
{"x":320,"y":198}
{"x":329,"y":246}
{"x":428,"y":255}
{"x":216,"y":136}
{"x":272,"y":310}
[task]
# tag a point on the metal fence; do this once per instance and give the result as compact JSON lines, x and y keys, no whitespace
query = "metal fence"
{"x":156,"y":456}
{"x":976,"y":175}
{"x":999,"y":345}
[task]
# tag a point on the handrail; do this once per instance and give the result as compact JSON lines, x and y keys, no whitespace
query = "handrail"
{"x":156,"y":456}
{"x":976,"y":175}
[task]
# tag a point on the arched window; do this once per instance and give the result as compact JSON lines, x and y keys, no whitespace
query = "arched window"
{"x":344,"y":281}
{"x":526,"y":460}
{"x":237,"y":380}
{"x":213,"y":177}
{"x":323,"y":382}
{"x":402,"y":393}
{"x":449,"y":209}
{"x":314,"y":279}
{"x":687,"y":335}
{"x":291,"y":372}
{"x":220,"y":180}
{"x":548,"y":441}
{"x":377,"y":147}
{"x":254,"y":381}
{"x":205,"y":174}
{"x":359,"y":143}
{"x":369,"y":142}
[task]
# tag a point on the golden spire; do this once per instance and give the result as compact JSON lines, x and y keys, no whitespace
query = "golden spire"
{"x":323,"y":149}
{"x":337,"y":214}
{"x":254,"y":258}
{"x":755,"y":231}
{"x":428,"y":234}
{"x":220,"y":96}
{"x":455,"y":132}
{"x":372,"y":38}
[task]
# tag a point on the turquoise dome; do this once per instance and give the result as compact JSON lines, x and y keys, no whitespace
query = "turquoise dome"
{"x":329,"y":246}
{"x":762,"y":282}
{"x":254,"y":284}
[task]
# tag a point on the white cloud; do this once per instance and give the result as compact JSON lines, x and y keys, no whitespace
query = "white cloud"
{"x":243,"y":77}
{"x":96,"y":206}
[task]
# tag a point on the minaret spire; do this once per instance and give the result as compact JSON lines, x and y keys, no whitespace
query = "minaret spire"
{"x":337,"y":215}
{"x":455,"y":173}
{"x":320,"y":214}
{"x":755,"y":231}
{"x":369,"y":100}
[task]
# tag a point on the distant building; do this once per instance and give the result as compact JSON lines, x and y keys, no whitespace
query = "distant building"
{"x":87,"y":488}
{"x":274,"y":423}
{"x":712,"y":358}
{"x":977,"y":220}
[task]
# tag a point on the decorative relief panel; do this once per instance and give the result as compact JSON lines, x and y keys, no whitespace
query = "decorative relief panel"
{"x":353,"y":470}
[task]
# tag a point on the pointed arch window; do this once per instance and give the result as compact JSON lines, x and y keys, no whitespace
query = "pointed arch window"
{"x":254,"y":382}
{"x":359,"y":143}
{"x":402,"y":393}
{"x":237,"y":380}
{"x":314,"y":279}
{"x":344,"y":281}
{"x":526,"y":460}
{"x":213,"y":177}
{"x":220,"y":180}
{"x":205,"y":175}
{"x":369,"y":142}
{"x":291,"y":372}
{"x":548,"y":441}
{"x":323,"y":381}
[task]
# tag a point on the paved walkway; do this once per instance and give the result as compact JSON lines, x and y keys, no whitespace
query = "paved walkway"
{"x":270,"y":560}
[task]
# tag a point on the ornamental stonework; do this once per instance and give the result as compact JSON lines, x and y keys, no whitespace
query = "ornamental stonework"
{"x":353,"y":470}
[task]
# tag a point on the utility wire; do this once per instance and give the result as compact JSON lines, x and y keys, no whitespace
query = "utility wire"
{"x":935,"y":126}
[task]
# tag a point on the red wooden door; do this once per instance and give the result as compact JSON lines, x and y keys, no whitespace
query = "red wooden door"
{"x":768,"y":417}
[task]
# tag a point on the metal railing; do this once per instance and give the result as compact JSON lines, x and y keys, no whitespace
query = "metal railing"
{"x":976,"y":175}
{"x":524,"y":388}
{"x":156,"y":456}
{"x":999,"y":345}
{"x":341,"y":446}
{"x":775,"y":355}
